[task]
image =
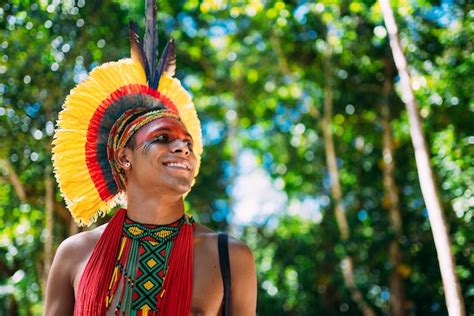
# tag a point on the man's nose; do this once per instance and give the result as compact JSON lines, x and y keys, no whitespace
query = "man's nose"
{"x":180,"y":146}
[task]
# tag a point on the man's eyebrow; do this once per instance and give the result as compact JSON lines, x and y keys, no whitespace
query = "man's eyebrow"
{"x":167,"y":129}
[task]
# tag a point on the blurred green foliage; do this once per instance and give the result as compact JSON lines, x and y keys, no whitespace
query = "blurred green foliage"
{"x":255,"y":71}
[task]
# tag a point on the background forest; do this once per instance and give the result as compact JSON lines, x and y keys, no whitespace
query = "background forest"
{"x":308,"y":153}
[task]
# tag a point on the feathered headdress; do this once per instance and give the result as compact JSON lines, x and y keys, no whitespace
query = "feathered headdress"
{"x":80,"y":147}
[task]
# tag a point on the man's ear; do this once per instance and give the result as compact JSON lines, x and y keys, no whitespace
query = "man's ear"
{"x":123,"y":158}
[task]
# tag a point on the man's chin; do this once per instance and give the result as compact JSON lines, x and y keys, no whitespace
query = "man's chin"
{"x":180,"y":187}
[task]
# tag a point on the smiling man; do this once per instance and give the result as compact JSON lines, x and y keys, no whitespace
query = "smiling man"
{"x":129,"y":134}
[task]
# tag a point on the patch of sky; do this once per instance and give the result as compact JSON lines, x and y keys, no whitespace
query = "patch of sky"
{"x":3,"y":88}
{"x":267,"y":160}
{"x":445,"y":15}
{"x":212,"y":132}
{"x":247,"y":161}
{"x":11,"y":20}
{"x":221,"y":210}
{"x":362,"y":215}
{"x":417,"y":203}
{"x":49,"y":128}
{"x":339,"y":163}
{"x":254,"y":192}
{"x":326,"y":181}
{"x":271,"y":289}
{"x":25,"y":119}
{"x":57,"y":42}
{"x":231,"y":26}
{"x":93,"y":65}
{"x":385,"y":295}
{"x":33,"y":109}
{"x":228,"y":169}
{"x":79,"y":66}
{"x":307,"y":35}
{"x":252,"y":38}
{"x":169,"y":23}
{"x":255,"y":132}
{"x":285,"y":117}
{"x":78,"y":77}
{"x":261,"y":46}
{"x":244,"y":23}
{"x":217,"y":30}
{"x":283,"y":123}
{"x":193,"y":82}
{"x":80,"y":72}
{"x":412,"y":26}
{"x":228,"y":189}
{"x":37,"y":134}
{"x":18,"y":276}
{"x":300,"y":13}
{"x":306,"y":103}
{"x":188,"y":23}
{"x":307,"y":208}
{"x":222,"y":27}
{"x":288,"y":79}
{"x":15,"y":120}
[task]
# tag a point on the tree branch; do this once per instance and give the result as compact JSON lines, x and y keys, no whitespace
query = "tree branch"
{"x":14,"y":180}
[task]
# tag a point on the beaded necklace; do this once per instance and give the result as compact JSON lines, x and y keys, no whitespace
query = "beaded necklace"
{"x":141,"y":266}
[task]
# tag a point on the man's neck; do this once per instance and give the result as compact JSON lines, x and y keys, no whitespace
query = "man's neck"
{"x":156,"y":209}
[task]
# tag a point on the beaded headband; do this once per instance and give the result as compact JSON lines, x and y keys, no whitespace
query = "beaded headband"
{"x":124,"y":129}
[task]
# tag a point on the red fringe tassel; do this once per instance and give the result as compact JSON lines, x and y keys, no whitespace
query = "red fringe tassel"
{"x":176,"y":295}
{"x":92,"y":291}
{"x":175,"y":298}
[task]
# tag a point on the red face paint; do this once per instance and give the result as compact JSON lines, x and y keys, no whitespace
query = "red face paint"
{"x":163,"y":131}
{"x":162,"y":157}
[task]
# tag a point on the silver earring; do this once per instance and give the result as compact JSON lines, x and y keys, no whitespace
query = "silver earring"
{"x":127,"y":165}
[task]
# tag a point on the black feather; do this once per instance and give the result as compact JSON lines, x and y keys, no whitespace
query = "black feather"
{"x":168,"y":60}
{"x":136,"y":47}
{"x":151,"y":42}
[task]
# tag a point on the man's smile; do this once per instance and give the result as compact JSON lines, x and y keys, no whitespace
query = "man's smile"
{"x":184,"y":165}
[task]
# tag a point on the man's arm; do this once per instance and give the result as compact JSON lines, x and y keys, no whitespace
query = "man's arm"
{"x":59,"y":289}
{"x":243,"y":279}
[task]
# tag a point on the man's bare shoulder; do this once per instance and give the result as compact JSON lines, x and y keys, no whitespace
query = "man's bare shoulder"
{"x":205,"y":240}
{"x":242,"y":268}
{"x":239,"y":252}
{"x":77,"y":246}
{"x":83,"y":239}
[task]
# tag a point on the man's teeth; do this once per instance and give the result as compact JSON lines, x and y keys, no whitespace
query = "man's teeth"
{"x":178,"y":165}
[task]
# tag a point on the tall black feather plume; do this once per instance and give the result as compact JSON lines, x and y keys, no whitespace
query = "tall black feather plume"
{"x":168,"y":60}
{"x":136,"y":47}
{"x":151,"y":42}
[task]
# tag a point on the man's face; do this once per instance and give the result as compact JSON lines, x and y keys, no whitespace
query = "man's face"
{"x":162,"y":158}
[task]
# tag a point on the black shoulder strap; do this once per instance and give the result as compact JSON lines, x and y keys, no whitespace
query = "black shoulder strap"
{"x":222,"y":243}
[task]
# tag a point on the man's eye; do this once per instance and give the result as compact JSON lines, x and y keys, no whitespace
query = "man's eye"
{"x":190,"y":144}
{"x":163,"y":138}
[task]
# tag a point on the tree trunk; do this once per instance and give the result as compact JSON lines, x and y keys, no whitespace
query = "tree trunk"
{"x":48,"y":242}
{"x":14,"y":180}
{"x":347,"y":262}
{"x":234,"y":152}
{"x":233,"y":121}
{"x":13,"y":308}
{"x":452,"y":288}
{"x":391,"y":200}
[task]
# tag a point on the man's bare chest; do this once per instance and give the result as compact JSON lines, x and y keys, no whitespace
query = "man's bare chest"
{"x":207,"y":291}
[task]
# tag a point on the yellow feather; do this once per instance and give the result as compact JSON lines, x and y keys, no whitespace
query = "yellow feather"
{"x":72,"y":174}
